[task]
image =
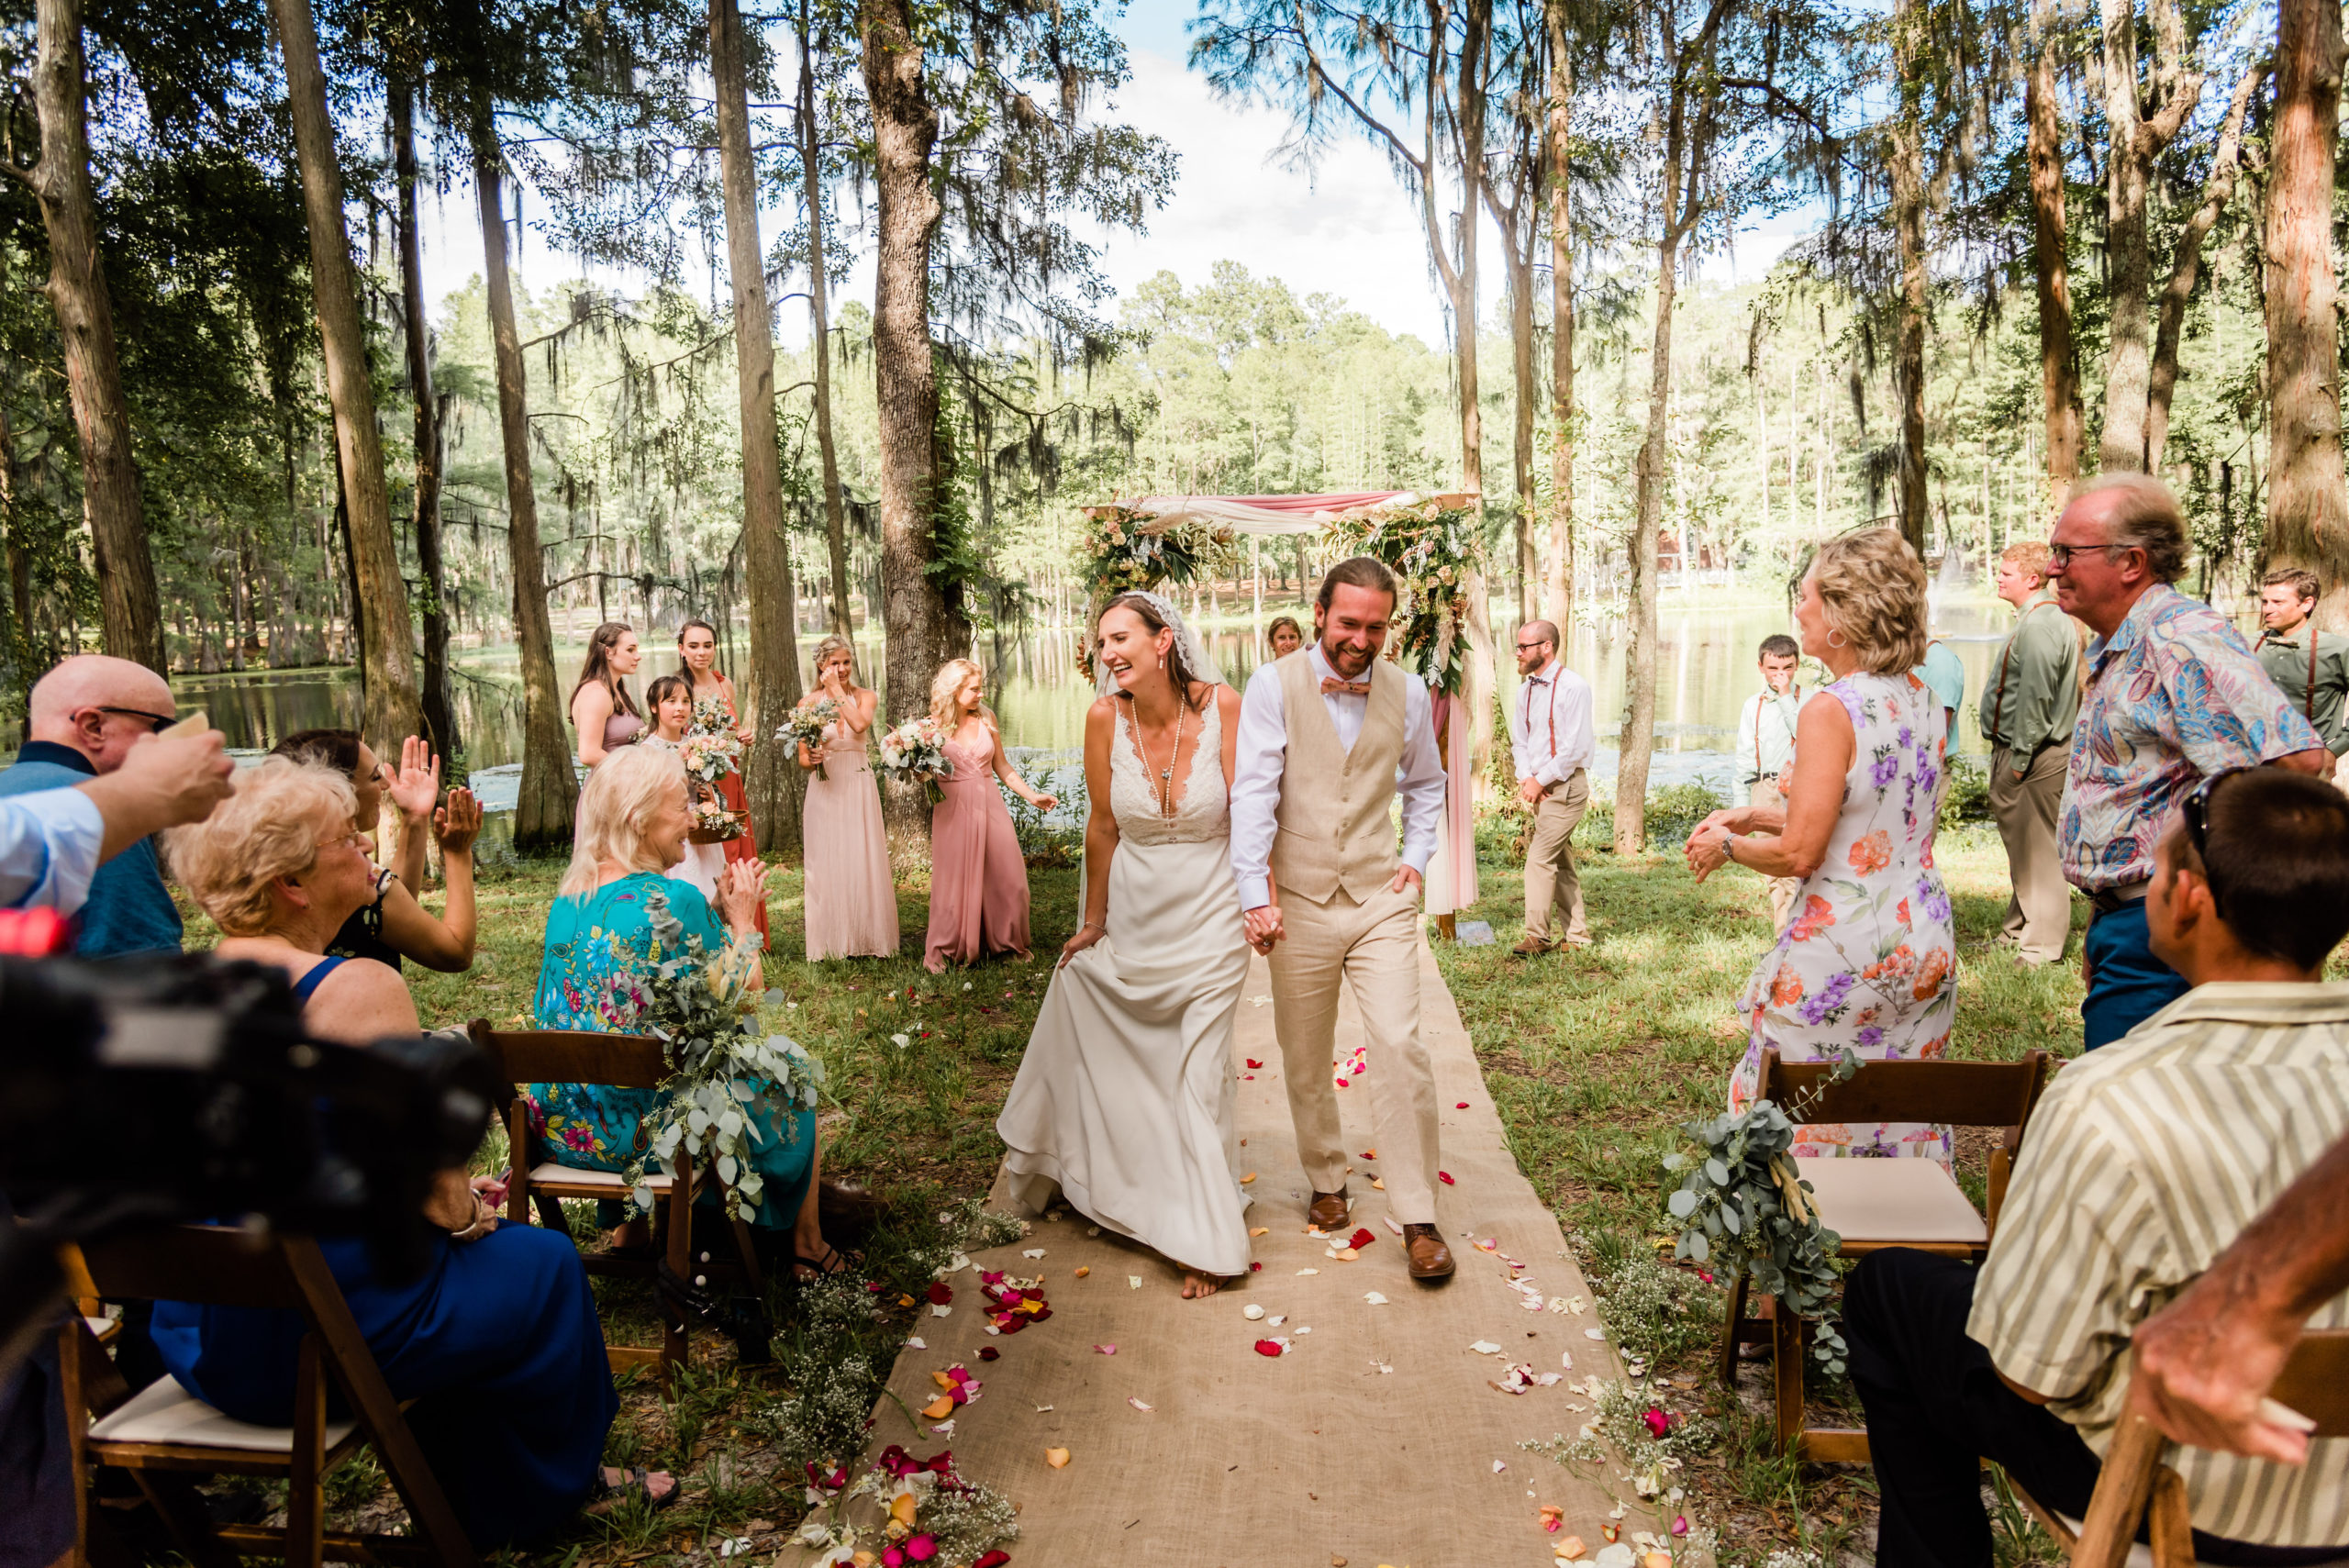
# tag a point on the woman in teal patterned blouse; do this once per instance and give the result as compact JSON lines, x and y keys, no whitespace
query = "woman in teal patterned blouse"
{"x":599,"y":946}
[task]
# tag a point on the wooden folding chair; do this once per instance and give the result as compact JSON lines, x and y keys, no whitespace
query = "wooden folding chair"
{"x":617,"y":1061}
{"x":2134,"y":1481}
{"x":164,"y":1436}
{"x":1875,"y":1204}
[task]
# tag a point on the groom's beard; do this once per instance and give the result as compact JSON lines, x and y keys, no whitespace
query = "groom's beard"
{"x":1345,"y":659}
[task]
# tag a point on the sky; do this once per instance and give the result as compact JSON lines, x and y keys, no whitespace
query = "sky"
{"x":1345,"y":226}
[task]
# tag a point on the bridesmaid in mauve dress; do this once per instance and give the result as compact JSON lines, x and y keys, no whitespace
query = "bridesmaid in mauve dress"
{"x":978,"y":881}
{"x":697,"y":649}
{"x":601,"y":708}
{"x":851,"y":897}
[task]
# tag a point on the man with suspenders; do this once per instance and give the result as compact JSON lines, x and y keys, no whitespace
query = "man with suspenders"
{"x":2029,"y":704}
{"x":1550,"y":733}
{"x":2308,"y":666}
{"x":1766,"y":748}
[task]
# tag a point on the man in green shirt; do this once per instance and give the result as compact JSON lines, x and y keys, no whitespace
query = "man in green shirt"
{"x":2311,"y":667}
{"x":2030,"y":703}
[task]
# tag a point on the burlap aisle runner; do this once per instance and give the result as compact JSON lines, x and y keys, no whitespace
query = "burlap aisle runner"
{"x":1375,"y":1439}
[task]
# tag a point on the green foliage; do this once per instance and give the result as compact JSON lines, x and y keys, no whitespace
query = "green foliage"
{"x":1675,"y":810}
{"x":1657,"y":1313}
{"x":1742,"y":1196}
{"x":1967,"y":796}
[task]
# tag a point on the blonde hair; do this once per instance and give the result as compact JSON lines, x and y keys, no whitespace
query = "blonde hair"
{"x":2145,"y":516}
{"x":269,"y":828}
{"x":2031,"y":555}
{"x":615,"y":810}
{"x":835,"y":644}
{"x":946,"y":683}
{"x":1872,"y":586}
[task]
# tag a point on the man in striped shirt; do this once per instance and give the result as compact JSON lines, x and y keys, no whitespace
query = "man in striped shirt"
{"x":2143,"y":1164}
{"x":1550,"y":734}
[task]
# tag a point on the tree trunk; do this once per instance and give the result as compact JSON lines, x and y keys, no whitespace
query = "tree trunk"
{"x":1909,"y":224}
{"x":131,"y":606}
{"x":1520,"y":332}
{"x":549,"y":788}
{"x":1559,"y":604}
{"x":811,"y":176}
{"x":918,"y":616}
{"x":1639,"y":675}
{"x":1476,"y":690}
{"x":2059,"y":370}
{"x":2186,"y":268}
{"x":387,"y":648}
{"x":440,"y":720}
{"x":2307,"y":516}
{"x":2136,"y":140}
{"x":771,"y":774}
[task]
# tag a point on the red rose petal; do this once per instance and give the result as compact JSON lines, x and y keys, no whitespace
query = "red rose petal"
{"x":941,"y":1293}
{"x":988,"y":1352}
{"x":1461,"y":1106}
{"x":1256,"y":1066}
{"x":1253,"y":1267}
{"x":993,"y":1560}
{"x":1268,"y":1347}
{"x":1360,"y":1240}
{"x":1445,"y":1177}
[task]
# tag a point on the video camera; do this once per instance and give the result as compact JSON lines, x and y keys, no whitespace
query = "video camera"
{"x":156,"y":1091}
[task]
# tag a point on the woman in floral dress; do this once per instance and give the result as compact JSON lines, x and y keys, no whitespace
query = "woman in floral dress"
{"x":1867,"y":960}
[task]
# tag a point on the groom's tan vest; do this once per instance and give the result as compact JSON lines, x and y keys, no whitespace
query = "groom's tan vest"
{"x":1335,"y":830}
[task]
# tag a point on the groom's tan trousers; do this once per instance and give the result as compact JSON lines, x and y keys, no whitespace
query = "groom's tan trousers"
{"x":1375,"y":947}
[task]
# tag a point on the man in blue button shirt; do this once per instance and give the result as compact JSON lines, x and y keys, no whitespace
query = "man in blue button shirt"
{"x":85,"y":716}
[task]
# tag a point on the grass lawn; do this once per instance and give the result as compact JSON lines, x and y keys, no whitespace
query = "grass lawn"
{"x":1596,"y":1058}
{"x":1593,"y":1058}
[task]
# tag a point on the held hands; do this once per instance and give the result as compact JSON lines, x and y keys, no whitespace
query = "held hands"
{"x":1264,"y":924}
{"x":742,"y":890}
{"x":457,"y":823}
{"x":417,"y":785}
{"x":1707,"y":847}
{"x":1528,"y":790}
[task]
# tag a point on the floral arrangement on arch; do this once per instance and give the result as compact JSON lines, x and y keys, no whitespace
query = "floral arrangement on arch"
{"x":1119,"y":556}
{"x":1434,"y":549}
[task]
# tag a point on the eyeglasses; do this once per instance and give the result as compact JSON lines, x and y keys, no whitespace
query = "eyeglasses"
{"x":1530,"y":647}
{"x":2061,"y":554}
{"x":2196,"y":811}
{"x":156,"y":722}
{"x":345,"y":841}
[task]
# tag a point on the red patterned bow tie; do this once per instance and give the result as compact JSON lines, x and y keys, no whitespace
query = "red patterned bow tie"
{"x":1332,"y":686}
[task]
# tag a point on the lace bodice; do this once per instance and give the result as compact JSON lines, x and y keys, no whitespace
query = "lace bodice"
{"x":1203,"y":812}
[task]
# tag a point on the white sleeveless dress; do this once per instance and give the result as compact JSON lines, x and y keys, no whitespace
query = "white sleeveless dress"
{"x":1124,"y":1098}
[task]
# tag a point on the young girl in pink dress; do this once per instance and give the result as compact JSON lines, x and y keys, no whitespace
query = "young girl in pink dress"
{"x":672,"y":701}
{"x":978,"y":881}
{"x":851,"y":897}
{"x":697,"y":651}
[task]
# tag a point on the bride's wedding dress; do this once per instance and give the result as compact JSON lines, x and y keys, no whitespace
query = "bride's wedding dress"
{"x":1124,"y":1098}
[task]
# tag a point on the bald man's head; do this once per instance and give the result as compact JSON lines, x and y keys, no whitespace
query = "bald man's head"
{"x":69,"y":707}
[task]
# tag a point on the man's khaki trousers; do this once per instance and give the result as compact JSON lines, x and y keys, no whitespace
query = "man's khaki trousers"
{"x":2039,"y":916}
{"x":1551,"y":879}
{"x":1782,"y":888}
{"x":1375,"y":947}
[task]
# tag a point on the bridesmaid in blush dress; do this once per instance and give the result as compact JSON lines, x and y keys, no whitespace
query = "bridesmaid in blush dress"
{"x":852,"y":899}
{"x":601,"y":708}
{"x":978,"y":881}
{"x":697,"y":651}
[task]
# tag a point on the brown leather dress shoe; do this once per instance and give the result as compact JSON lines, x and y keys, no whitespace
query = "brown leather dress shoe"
{"x":1327,"y":1210}
{"x":1431,"y":1258}
{"x":1531,"y":947}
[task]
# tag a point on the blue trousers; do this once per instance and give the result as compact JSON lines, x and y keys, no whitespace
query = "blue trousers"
{"x":2127,"y":984}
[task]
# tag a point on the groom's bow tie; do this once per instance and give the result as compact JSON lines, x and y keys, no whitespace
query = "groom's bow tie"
{"x":1332,"y":686}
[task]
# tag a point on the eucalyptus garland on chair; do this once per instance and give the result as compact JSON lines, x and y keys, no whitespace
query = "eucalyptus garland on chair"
{"x":1436,"y":550}
{"x":1742,"y":1204}
{"x":705,"y":1010}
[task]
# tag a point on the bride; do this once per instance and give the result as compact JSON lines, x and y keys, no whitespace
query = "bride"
{"x":1124,"y":1099}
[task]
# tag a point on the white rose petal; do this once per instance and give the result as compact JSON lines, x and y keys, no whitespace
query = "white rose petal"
{"x":1374,"y":1298}
{"x":915,"y":1343}
{"x":1032,"y":1253}
{"x":1252,"y":1312}
{"x":1486,"y":1347}
{"x":1133,"y":1282}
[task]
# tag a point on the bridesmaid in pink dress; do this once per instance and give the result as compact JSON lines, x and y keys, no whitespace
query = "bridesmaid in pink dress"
{"x":978,"y":881}
{"x":601,"y":708}
{"x":852,"y":899}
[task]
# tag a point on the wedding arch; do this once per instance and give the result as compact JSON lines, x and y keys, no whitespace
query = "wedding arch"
{"x":1433,"y":544}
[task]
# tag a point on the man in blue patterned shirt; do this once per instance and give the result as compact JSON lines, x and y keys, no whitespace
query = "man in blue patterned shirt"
{"x":2173,"y":697}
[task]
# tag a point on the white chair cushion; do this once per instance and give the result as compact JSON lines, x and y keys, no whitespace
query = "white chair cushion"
{"x":1892,"y":1200}
{"x":163,"y":1412}
{"x":550,"y":1170}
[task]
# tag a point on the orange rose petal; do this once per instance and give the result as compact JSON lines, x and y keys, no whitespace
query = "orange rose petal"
{"x":1248,"y":1178}
{"x":1083,"y":1270}
{"x":901,"y":1509}
{"x":939,"y":1408}
{"x":1057,"y":1458}
{"x":1261,"y":1230}
{"x":943,"y":1381}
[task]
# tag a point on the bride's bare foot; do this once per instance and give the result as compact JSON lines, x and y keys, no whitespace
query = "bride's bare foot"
{"x":1197,"y":1284}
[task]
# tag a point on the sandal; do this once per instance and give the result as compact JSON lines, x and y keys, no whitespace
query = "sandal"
{"x":637,"y":1483}
{"x":833,"y":1262}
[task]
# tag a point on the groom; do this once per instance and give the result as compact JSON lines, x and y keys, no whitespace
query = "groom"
{"x":1323,"y":735}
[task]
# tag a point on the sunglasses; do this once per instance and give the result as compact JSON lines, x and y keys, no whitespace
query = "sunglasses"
{"x":2195,"y":812}
{"x":156,"y":722}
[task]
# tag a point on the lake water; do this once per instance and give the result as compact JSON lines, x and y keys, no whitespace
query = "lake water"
{"x":1706,"y":658}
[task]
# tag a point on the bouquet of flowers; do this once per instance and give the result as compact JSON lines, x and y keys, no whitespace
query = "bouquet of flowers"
{"x":713,"y":823}
{"x":806,"y":726}
{"x":918,"y":747}
{"x":710,"y":756}
{"x":723,"y":1065}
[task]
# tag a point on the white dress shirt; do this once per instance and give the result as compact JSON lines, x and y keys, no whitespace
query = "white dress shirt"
{"x":1549,"y":724}
{"x":48,"y":849}
{"x":1766,"y":739}
{"x":1263,"y":742}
